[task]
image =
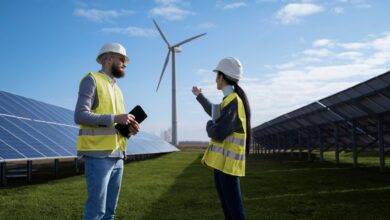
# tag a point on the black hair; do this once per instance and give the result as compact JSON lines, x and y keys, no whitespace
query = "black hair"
{"x":240,"y":92}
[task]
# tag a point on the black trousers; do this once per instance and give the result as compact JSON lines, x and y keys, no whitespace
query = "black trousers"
{"x":228,"y":188}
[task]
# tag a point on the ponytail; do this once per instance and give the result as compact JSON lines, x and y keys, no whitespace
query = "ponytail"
{"x":240,"y":92}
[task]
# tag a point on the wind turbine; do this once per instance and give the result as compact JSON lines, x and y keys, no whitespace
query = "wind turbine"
{"x":172,"y":50}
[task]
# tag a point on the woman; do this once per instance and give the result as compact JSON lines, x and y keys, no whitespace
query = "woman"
{"x":230,"y":134}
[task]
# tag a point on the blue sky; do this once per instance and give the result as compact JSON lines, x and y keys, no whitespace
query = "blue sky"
{"x":293,"y":52}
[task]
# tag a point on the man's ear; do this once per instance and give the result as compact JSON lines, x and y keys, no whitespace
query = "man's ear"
{"x":109,"y":59}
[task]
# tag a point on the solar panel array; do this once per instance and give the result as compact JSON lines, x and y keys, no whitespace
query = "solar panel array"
{"x":31,"y":129}
{"x":356,"y":118}
{"x":367,"y":98}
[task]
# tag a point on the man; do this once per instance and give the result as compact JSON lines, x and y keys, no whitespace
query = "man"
{"x":99,"y":107}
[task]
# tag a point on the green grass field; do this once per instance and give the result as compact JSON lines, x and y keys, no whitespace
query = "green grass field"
{"x":176,"y":186}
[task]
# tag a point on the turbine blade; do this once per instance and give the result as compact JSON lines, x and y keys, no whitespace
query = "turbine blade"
{"x":163,"y":70}
{"x":161,"y":33}
{"x":188,"y":40}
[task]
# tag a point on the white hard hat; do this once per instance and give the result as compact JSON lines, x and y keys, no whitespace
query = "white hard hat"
{"x":231,"y":67}
{"x":114,"y":48}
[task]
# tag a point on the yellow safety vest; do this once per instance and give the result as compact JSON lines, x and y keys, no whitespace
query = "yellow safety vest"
{"x":228,"y":156}
{"x":96,"y":138}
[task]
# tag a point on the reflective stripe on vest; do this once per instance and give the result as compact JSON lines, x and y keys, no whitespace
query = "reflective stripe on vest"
{"x":96,"y":138}
{"x":235,"y":140}
{"x":228,"y":155}
{"x":94,"y":132}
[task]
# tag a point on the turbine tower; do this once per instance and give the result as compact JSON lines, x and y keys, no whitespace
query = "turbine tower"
{"x":176,"y":48}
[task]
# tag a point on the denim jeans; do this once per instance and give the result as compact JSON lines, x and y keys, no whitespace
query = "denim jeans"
{"x":103,"y":176}
{"x":228,"y":188}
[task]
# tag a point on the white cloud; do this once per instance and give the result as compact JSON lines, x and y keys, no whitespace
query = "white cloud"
{"x":286,"y":65}
{"x":234,"y":5}
{"x":338,"y":10}
{"x":291,"y":13}
{"x":378,"y":59}
{"x":317,"y":52}
{"x":131,"y":31}
{"x":323,"y":43}
{"x":350,"y":55}
{"x":382,"y":43}
{"x":310,"y":59}
{"x":355,"y":46}
{"x":101,"y":15}
{"x":170,"y":10}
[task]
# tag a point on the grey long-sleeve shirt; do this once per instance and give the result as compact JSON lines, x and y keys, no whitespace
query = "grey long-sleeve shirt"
{"x":87,"y":101}
{"x":226,"y":123}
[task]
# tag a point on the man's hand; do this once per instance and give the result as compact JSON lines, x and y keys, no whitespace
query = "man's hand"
{"x":124,"y":119}
{"x":196,"y":91}
{"x":134,"y":128}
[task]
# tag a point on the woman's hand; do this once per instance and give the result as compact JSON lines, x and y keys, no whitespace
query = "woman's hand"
{"x":196,"y":91}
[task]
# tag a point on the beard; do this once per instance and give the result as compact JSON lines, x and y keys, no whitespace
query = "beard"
{"x":117,"y":72}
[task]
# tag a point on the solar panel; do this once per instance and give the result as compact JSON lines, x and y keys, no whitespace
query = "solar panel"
{"x":31,"y":129}
{"x":379,"y":83}
{"x":146,"y":142}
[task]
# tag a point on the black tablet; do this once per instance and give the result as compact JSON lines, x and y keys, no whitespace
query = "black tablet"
{"x":139,"y":115}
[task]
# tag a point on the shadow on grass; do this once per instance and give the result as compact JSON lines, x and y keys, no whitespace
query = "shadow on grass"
{"x":192,"y":196}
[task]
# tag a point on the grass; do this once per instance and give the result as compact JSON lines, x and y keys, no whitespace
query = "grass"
{"x":176,"y":186}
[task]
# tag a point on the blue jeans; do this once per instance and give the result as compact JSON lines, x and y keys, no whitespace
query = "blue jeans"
{"x":228,"y":188}
{"x":104,"y":176}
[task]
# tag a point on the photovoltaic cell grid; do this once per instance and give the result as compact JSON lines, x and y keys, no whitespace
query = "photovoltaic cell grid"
{"x":31,"y":129}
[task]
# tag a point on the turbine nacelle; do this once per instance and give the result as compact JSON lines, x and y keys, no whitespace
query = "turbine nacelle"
{"x":177,"y":49}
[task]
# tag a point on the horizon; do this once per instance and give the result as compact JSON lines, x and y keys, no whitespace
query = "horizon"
{"x":293,"y":52}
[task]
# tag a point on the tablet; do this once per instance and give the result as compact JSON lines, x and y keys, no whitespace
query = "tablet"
{"x":139,"y":115}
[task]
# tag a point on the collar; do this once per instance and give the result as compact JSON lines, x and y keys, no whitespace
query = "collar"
{"x":111,"y":79}
{"x":227,"y":90}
